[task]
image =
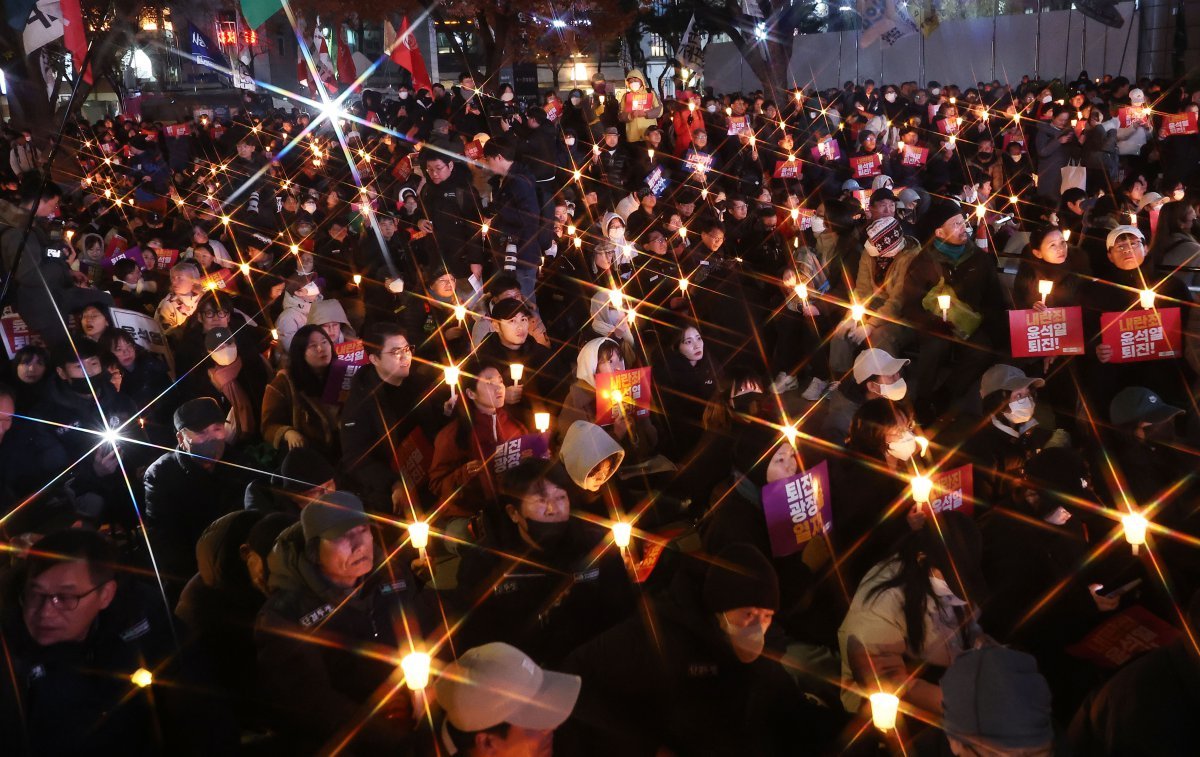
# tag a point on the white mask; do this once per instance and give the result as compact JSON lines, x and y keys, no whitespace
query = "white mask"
{"x":747,"y":642}
{"x":225,"y":354}
{"x":890,"y":97}
{"x":894,"y":391}
{"x":570,"y":141}
{"x":1059,"y":517}
{"x":1046,"y":99}
{"x":711,"y":109}
{"x":903,"y":448}
{"x":403,"y":95}
{"x":942,"y":591}
{"x":635,"y":85}
{"x":310,"y":207}
{"x":817,"y":225}
{"x":1020,"y":411}
{"x":506,"y":97}
{"x":616,"y":236}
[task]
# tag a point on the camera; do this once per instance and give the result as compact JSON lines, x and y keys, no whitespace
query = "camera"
{"x":55,"y":247}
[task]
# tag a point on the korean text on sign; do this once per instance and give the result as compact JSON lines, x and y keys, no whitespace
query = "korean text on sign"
{"x":797,"y":509}
{"x":1054,"y":331}
{"x":954,"y":490}
{"x":1142,"y":334}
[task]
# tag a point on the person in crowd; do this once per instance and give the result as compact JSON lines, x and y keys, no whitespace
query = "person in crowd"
{"x":686,"y":379}
{"x":180,"y":302}
{"x":997,"y":703}
{"x":297,"y":409}
{"x":876,"y":374}
{"x":635,"y":432}
{"x":145,"y":376}
{"x":29,"y":377}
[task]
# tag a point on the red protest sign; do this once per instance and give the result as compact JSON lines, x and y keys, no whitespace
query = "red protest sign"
{"x":913,"y":155}
{"x":1139,"y":335}
{"x":1124,"y":636}
{"x":866,"y":166}
{"x":653,"y":551}
{"x":1054,"y":331}
{"x":827,"y":148}
{"x":1127,"y":115}
{"x":116,"y":244}
{"x":736,"y":125}
{"x":636,"y":101}
{"x":554,"y":110}
{"x":177,"y":131}
{"x":949,"y":126}
{"x":219,"y":279}
{"x":511,"y":453}
{"x":864,"y":198}
{"x":1180,"y":124}
{"x":622,"y":389}
{"x":16,"y":332}
{"x":474,"y":150}
{"x":166,"y":259}
{"x":411,"y":459}
{"x":348,"y":357}
{"x":787,"y":169}
{"x":953,"y":490}
{"x":403,"y":169}
{"x":797,"y":508}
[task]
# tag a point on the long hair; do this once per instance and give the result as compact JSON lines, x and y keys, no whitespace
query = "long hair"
{"x":1170,"y":220}
{"x":304,"y":378}
{"x":868,"y":429}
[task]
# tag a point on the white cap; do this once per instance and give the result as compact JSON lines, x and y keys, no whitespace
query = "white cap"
{"x":1149,"y":199}
{"x":498,"y":683}
{"x":875,"y":362}
{"x":1116,"y":233}
{"x":308,"y":290}
{"x":1137,"y":97}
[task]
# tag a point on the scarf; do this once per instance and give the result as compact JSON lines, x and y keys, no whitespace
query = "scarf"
{"x":224,"y":377}
{"x":953,"y":252}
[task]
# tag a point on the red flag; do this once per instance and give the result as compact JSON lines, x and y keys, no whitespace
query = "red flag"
{"x":301,"y":69}
{"x":347,"y":73}
{"x":75,"y":36}
{"x":407,"y":55}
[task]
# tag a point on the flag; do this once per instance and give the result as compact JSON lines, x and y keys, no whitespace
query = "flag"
{"x":324,"y":64}
{"x":886,"y":20}
{"x":44,"y":25}
{"x":389,"y":40}
{"x":346,"y":70}
{"x":256,"y":12}
{"x":407,"y":55}
{"x":75,"y":37}
{"x":691,"y":51}
{"x":18,"y":13}
{"x":203,"y":50}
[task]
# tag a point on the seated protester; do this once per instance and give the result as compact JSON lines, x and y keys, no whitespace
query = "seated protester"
{"x":1174,"y":247}
{"x":431,"y":317}
{"x":92,"y":320}
{"x":499,"y":702}
{"x":145,"y":377}
{"x":331,"y":316}
{"x":685,"y":380}
{"x":190,"y":487}
{"x":880,"y":288}
{"x":600,"y":356}
{"x":997,"y":704}
{"x":79,"y":403}
{"x":180,"y":302}
{"x":235,"y":383}
{"x":511,"y":343}
{"x":876,"y":374}
{"x":215,"y":309}
{"x":885,"y":639}
{"x":295,"y":412}
{"x":1145,"y":708}
{"x":591,"y":458}
{"x":330,"y":630}
{"x":644,"y":217}
{"x":29,"y":378}
{"x":303,"y":476}
{"x":220,"y":603}
{"x":1116,"y":289}
{"x":609,"y":316}
{"x":461,"y":471}
{"x":132,"y":290}
{"x":385,"y":406}
{"x":298,"y":298}
{"x":1049,"y":258}
{"x":539,"y":578}
{"x":502,"y":287}
{"x":711,"y":682}
{"x":74,"y":634}
{"x":1007,"y":434}
{"x":798,"y":328}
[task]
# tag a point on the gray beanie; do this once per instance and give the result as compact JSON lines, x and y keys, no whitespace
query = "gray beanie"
{"x":996,"y":697}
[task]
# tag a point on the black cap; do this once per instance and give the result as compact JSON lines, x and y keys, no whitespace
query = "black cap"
{"x":938,"y":214}
{"x":216,"y":337}
{"x":198,"y":414}
{"x":881,"y":194}
{"x":740,"y":576}
{"x":303,"y":468}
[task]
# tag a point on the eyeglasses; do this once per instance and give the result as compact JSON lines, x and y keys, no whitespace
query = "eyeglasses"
{"x":399,"y":352}
{"x":215,"y":314}
{"x":34,"y":599}
{"x":1127,"y":244}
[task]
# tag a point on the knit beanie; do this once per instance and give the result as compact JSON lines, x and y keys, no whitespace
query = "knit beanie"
{"x":740,"y":576}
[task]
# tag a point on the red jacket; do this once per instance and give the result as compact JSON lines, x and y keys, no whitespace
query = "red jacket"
{"x":448,"y":478}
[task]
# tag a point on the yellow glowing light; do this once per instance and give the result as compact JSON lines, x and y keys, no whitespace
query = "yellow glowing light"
{"x":923,"y":443}
{"x":622,"y":533}
{"x":683,"y":284}
{"x":1135,"y":529}
{"x":460,"y":312}
{"x":571,"y":229}
{"x":801,"y":291}
{"x":516,"y":371}
{"x":1013,"y":199}
{"x":244,"y":268}
{"x":857,"y":312}
{"x":884,"y":709}
{"x":1066,"y":235}
{"x":275,"y":335}
{"x":541,"y":421}
{"x":225,"y":220}
{"x":357,"y":279}
{"x":980,"y":211}
{"x":615,"y":298}
{"x":795,"y":213}
{"x":418,"y":534}
{"x":578,"y":242}
{"x":944,"y":302}
{"x":142,"y":678}
{"x":416,"y":670}
{"x":791,"y":434}
{"x":295,"y":249}
{"x":1146,"y":299}
{"x":922,"y":487}
{"x":1045,"y":287}
{"x":484,"y":228}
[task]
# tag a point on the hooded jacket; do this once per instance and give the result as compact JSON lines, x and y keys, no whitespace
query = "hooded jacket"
{"x":448,"y":477}
{"x":311,"y":636}
{"x":331,"y":311}
{"x":584,"y":447}
{"x":635,"y":127}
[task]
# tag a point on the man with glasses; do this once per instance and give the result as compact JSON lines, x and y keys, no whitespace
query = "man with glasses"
{"x":450,"y":215}
{"x":74,"y":638}
{"x":386,"y":420}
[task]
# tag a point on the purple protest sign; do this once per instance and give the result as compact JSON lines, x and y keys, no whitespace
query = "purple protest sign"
{"x":510,"y":454}
{"x":797,"y":509}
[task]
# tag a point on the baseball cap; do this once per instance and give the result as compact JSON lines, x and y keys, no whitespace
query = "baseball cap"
{"x":612,"y":130}
{"x":198,"y":414}
{"x":216,"y":337}
{"x":885,"y":236}
{"x":1149,"y":199}
{"x":509,"y":308}
{"x":1137,"y":96}
{"x":332,"y":515}
{"x":1116,"y":233}
{"x":876,"y":362}
{"x":997,"y":697}
{"x":850,"y":185}
{"x":1006,"y":377}
{"x":881,"y":194}
{"x":1135,"y":404}
{"x":498,"y":683}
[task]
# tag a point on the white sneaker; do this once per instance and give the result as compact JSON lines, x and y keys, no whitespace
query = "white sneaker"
{"x":816,"y":389}
{"x":784,"y":383}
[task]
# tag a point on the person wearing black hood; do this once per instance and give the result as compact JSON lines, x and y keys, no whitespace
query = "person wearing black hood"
{"x":703,"y":678}
{"x":685,"y":379}
{"x":578,"y":116}
{"x":538,"y":578}
{"x":327,"y":636}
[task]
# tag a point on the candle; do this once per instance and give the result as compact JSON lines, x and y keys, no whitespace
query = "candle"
{"x":274,"y":335}
{"x":729,"y":111}
{"x":1135,"y":529}
{"x":884,"y":708}
{"x":460,"y":313}
{"x":692,"y":107}
{"x":1044,"y":289}
{"x":244,"y":268}
{"x":980,"y":211}
{"x":484,"y":228}
{"x":944,"y":304}
{"x":578,"y":175}
{"x":571,"y":229}
{"x":615,"y":298}
{"x":578,"y":243}
{"x":952,"y":141}
{"x":141,"y":423}
{"x":357,"y":279}
{"x":516,"y":370}
{"x":601,"y":100}
{"x":704,"y":193}
{"x":922,"y":487}
{"x":1146,"y":298}
{"x":541,"y":421}
{"x":1066,"y":235}
{"x":683,"y":233}
{"x":858,"y":312}
{"x":225,"y":220}
{"x":801,"y":291}
{"x":651,"y":154}
{"x":790,"y":433}
{"x":416,"y":670}
{"x":1133,"y":219}
{"x":683,"y":284}
{"x":451,"y":376}
{"x":622,"y":532}
{"x":1012,"y":199}
{"x":1016,"y":118}
{"x":795,"y":213}
{"x":953,"y":100}
{"x":418,"y":533}
{"x":142,"y":678}
{"x":797,"y":97}
{"x":923,"y":443}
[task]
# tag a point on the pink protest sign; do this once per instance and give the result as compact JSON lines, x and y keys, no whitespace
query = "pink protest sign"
{"x":797,"y":509}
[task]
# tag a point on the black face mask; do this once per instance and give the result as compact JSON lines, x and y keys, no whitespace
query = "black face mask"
{"x":80,"y":385}
{"x":547,"y":535}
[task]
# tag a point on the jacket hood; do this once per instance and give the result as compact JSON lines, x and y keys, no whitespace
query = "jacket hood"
{"x":584,"y":447}
{"x":636,"y":74}
{"x":290,"y":569}
{"x":589,"y":358}
{"x":328,"y":311}
{"x":218,"y":551}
